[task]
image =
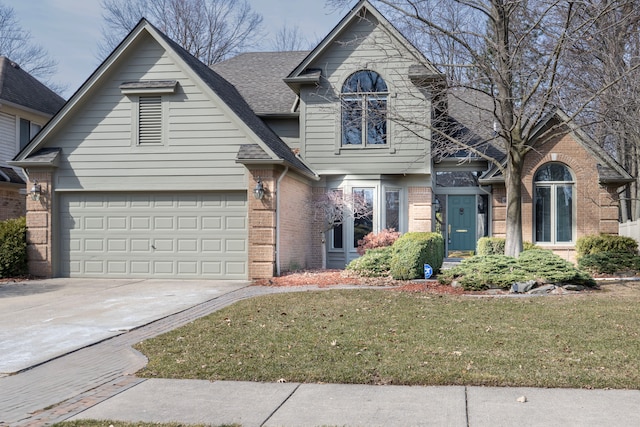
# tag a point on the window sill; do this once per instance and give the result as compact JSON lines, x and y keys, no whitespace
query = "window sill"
{"x":355,"y":148}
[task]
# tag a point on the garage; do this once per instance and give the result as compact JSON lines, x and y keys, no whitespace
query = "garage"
{"x":158,"y":235}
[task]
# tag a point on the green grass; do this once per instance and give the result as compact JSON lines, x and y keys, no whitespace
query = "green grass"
{"x":387,"y":337}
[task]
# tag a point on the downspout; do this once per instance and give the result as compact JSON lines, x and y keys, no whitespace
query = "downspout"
{"x":280,"y":178}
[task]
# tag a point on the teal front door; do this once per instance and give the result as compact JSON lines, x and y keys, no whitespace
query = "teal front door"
{"x":461,"y":223}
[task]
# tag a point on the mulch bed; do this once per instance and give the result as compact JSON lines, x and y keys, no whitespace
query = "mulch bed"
{"x":328,"y":278}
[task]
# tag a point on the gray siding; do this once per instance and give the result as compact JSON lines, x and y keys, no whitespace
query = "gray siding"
{"x":287,"y":129}
{"x":7,"y":137}
{"x":366,"y":46}
{"x":201,"y":140}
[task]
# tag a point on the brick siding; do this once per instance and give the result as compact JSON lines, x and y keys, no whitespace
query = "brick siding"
{"x":39,"y":236}
{"x":420,"y":200}
{"x":12,"y":203}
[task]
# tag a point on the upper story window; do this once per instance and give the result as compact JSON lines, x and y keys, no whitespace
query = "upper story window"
{"x":364,"y":110}
{"x":553,"y":204}
{"x":28,"y":130}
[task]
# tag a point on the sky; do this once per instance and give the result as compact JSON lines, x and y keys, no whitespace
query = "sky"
{"x":70,"y":29}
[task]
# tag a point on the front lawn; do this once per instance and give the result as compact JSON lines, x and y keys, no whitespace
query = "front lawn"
{"x":390,"y":337}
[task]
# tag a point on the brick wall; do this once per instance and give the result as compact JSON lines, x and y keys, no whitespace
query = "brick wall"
{"x":12,"y":203}
{"x":39,"y":236}
{"x":296,"y":237}
{"x":420,"y":199}
{"x":262,"y":226}
{"x":596,"y":206}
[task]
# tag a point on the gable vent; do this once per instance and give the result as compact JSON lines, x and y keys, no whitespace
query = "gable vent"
{"x":150,"y":120}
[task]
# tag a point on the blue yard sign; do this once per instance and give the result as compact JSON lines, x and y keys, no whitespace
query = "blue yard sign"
{"x":428,"y":271}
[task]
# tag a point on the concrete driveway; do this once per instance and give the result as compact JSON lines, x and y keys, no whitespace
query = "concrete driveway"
{"x":44,"y":319}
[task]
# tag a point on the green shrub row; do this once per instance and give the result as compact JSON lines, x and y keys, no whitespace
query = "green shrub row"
{"x":594,"y":244}
{"x":13,"y":247}
{"x":403,"y":260}
{"x":496,"y":245}
{"x":610,"y":263}
{"x":500,"y":271}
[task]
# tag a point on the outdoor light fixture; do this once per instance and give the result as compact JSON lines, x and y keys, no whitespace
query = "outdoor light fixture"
{"x":436,"y":204}
{"x":35,"y":191}
{"x":258,"y":192}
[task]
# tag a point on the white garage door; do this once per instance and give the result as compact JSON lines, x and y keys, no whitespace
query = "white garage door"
{"x":159,"y":235}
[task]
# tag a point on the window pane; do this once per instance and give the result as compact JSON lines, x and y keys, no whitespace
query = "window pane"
{"x":564,"y":213}
{"x":25,"y":133}
{"x":543,"y":214}
{"x":553,"y":172}
{"x":364,"y":81}
{"x":337,"y":237}
{"x":351,"y":122}
{"x":377,"y":121}
{"x":392,"y":209}
{"x":363,"y":225}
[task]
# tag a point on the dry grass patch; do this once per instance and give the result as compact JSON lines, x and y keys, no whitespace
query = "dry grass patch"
{"x":386,"y":337}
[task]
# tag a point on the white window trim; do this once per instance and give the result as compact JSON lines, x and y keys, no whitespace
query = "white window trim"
{"x":553,"y":185}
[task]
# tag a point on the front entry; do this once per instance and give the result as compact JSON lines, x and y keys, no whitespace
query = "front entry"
{"x":461,"y":223}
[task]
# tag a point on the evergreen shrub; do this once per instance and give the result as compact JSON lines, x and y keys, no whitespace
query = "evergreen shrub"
{"x":375,"y":262}
{"x":412,"y":250}
{"x":13,"y":247}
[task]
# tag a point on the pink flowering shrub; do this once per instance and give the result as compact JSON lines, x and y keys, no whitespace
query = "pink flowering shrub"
{"x":377,"y":240}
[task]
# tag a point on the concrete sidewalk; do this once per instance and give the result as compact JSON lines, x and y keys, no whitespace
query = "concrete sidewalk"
{"x":293,"y":405}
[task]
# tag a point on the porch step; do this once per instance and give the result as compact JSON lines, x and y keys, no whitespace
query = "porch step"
{"x":449,"y":263}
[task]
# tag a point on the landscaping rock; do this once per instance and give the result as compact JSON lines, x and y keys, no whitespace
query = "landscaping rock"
{"x":522,"y":287}
{"x":542,"y":290}
{"x":577,"y":288}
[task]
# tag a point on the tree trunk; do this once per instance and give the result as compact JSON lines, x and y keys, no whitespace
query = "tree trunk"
{"x":323,"y":239}
{"x":515,"y":161}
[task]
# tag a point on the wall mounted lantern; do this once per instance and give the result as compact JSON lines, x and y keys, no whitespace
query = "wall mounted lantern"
{"x":258,"y":192}
{"x":436,"y":204}
{"x":36,"y":191}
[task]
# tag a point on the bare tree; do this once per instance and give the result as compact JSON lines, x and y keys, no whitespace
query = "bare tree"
{"x":504,"y":58}
{"x":211,"y":30}
{"x":613,"y":117}
{"x":289,"y":38}
{"x":333,"y":208}
{"x":16,"y":44}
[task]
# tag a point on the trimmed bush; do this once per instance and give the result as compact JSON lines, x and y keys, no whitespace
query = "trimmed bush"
{"x":13,"y":247}
{"x":491,"y":271}
{"x":609,"y":263}
{"x":490,"y":246}
{"x":483,"y":272}
{"x":547,"y":267}
{"x":377,"y":240}
{"x":412,"y":250}
{"x":495,"y":246}
{"x":593,"y":244}
{"x":375,"y":262}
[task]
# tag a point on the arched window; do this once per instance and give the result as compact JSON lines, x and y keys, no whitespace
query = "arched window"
{"x":553,"y":204}
{"x":364,"y":109}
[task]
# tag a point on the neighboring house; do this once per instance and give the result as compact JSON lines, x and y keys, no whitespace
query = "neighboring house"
{"x":25,"y":106}
{"x":150,"y":169}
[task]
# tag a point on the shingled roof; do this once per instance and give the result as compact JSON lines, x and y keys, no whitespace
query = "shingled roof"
{"x":234,"y":100}
{"x":258,"y":76}
{"x":21,"y":88}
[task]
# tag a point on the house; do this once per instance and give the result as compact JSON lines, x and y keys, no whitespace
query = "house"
{"x":25,"y":106}
{"x":159,"y":166}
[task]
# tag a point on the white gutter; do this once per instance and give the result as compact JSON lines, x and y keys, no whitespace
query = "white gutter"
{"x":280,"y":178}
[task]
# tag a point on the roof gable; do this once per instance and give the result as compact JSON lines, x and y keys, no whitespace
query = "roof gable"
{"x":357,"y":13}
{"x":22,"y":89}
{"x":220,"y":90}
{"x":609,"y":170}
